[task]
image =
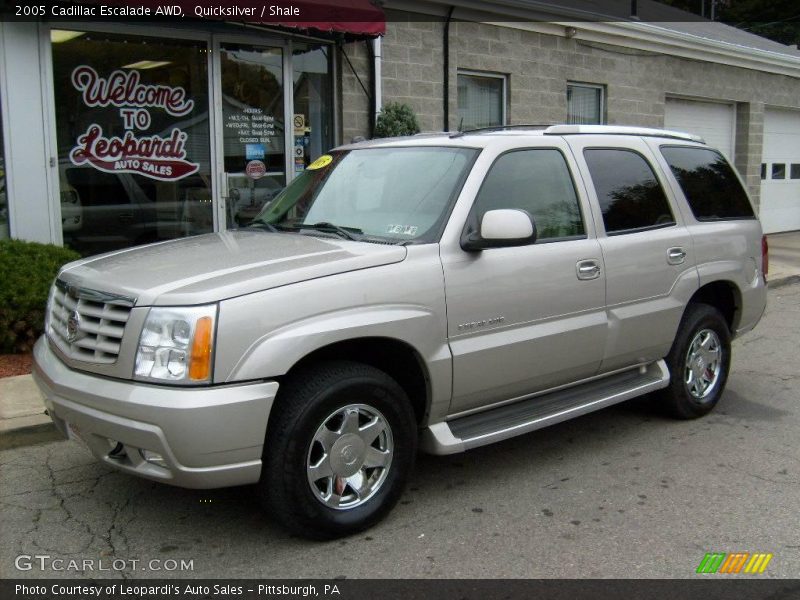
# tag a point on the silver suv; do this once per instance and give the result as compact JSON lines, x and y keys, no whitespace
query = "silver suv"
{"x":443,"y":291}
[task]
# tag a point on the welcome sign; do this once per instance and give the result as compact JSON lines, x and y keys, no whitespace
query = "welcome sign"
{"x":153,"y":156}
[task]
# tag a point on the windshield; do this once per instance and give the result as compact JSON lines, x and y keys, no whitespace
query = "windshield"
{"x":392,"y":194}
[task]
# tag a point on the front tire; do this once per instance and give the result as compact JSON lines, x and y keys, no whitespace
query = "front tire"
{"x":340,"y":447}
{"x":699,"y":362}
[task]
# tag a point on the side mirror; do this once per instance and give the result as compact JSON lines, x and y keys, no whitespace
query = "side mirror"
{"x":501,"y":228}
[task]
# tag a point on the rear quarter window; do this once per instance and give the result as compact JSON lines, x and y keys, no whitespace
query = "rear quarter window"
{"x":709,"y":183}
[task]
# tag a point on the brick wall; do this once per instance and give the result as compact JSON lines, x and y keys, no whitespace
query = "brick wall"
{"x":538,"y":67}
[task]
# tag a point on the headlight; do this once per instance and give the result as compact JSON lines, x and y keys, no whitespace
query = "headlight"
{"x":176,"y":345}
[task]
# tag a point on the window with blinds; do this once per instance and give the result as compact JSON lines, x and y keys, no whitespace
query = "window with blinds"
{"x":481,"y":100}
{"x":585,"y":104}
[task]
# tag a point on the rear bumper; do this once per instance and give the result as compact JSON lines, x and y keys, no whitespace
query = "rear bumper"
{"x":206,"y":437}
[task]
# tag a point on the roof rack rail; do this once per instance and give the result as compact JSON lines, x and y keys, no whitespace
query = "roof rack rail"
{"x":621,"y":130}
{"x":538,"y":126}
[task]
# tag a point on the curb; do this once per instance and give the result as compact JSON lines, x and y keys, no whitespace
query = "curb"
{"x":783,"y":281}
{"x":30,"y":435}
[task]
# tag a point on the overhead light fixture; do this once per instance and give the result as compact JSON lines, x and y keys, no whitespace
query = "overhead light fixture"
{"x":58,"y":36}
{"x":147,"y":64}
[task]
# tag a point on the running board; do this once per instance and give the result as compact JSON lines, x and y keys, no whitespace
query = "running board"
{"x":510,"y":420}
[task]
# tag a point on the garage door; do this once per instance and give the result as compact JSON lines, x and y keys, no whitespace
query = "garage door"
{"x":713,"y":121}
{"x":780,"y":171}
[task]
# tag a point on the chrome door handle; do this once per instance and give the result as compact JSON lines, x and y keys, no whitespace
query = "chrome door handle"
{"x":676,"y":256}
{"x":588,"y":269}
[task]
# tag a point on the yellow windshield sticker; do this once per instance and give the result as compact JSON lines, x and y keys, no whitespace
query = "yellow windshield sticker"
{"x":322,"y":161}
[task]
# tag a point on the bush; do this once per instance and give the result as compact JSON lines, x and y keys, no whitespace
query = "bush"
{"x":27,"y":270}
{"x":396,"y":119}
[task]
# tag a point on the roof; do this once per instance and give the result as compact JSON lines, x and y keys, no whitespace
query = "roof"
{"x":661,"y":15}
{"x":658,"y":28}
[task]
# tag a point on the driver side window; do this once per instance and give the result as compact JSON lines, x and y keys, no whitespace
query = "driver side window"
{"x":538,"y":181}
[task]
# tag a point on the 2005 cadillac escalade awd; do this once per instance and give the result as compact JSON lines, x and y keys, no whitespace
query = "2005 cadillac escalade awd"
{"x":443,"y":290}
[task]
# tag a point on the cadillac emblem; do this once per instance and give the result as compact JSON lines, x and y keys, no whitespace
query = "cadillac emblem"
{"x":73,"y":326}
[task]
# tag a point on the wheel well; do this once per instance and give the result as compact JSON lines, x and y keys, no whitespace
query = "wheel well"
{"x":395,"y":358}
{"x":725,"y":297}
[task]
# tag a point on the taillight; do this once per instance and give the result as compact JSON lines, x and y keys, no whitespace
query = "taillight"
{"x":764,"y":256}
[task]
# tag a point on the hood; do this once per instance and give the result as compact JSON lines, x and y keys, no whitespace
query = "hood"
{"x":215,"y":266}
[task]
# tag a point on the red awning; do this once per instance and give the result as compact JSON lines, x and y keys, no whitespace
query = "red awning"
{"x":362,"y":17}
{"x":356,"y":17}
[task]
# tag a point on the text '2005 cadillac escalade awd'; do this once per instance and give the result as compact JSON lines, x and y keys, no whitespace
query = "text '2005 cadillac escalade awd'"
{"x":443,"y":291}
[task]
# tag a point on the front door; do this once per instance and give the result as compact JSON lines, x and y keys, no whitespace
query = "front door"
{"x":251,"y":112}
{"x":524,"y":319}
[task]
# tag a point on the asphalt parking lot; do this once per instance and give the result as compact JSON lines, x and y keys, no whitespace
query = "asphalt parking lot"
{"x":621,"y":493}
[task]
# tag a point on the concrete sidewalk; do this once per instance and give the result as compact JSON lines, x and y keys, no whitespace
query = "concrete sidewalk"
{"x":784,"y":257}
{"x":22,"y":409}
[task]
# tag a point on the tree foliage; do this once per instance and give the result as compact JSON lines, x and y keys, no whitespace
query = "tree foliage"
{"x":396,"y":119}
{"x":778,"y":20}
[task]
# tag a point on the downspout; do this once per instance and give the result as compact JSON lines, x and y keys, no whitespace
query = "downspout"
{"x":373,"y":107}
{"x":377,"y":77}
{"x":446,"y":74}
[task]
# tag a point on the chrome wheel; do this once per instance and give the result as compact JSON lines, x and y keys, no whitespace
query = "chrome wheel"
{"x":350,"y":456}
{"x":703,"y":364}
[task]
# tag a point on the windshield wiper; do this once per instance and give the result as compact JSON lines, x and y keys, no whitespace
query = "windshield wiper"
{"x":263,"y":225}
{"x":326,"y":227}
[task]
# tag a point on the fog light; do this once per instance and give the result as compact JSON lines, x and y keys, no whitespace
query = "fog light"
{"x":154,"y":458}
{"x":118,"y":450}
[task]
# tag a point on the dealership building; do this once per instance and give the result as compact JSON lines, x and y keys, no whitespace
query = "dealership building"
{"x":115,"y":135}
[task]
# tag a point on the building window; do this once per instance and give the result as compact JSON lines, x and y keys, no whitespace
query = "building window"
{"x":481,"y":100}
{"x":778,"y":171}
{"x":585,"y":103}
{"x":132,"y":127}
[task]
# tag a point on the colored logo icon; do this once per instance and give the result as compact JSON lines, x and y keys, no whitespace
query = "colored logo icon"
{"x":734,"y":562}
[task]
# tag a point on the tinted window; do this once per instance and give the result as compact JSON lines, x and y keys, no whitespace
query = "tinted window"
{"x":629,"y":194}
{"x":537,"y":181}
{"x":795,"y":173}
{"x":779,"y":171}
{"x":763,"y":170}
{"x":709,"y":183}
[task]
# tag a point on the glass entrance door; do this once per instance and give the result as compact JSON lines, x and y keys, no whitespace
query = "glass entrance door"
{"x":252,"y":123}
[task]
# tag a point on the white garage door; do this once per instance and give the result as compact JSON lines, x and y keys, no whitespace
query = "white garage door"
{"x":780,"y":171}
{"x":713,"y":121}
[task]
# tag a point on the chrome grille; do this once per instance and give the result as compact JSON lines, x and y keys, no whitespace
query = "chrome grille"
{"x":86,"y":324}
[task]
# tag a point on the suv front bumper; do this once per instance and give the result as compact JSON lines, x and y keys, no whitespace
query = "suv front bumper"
{"x":206,"y":437}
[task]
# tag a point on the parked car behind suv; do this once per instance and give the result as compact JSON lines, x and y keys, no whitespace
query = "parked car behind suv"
{"x":444,"y":291}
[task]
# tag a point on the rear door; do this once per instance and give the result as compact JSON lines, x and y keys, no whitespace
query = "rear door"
{"x":526,"y":318}
{"x":646,"y":247}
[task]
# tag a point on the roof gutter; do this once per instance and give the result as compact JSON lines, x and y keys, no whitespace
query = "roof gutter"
{"x":544,"y":17}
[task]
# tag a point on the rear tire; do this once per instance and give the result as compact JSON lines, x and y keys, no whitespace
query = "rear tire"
{"x":340,"y":446}
{"x":698,"y":362}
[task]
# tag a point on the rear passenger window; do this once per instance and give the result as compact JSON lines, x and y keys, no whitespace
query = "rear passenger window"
{"x":795,"y":172}
{"x":779,"y":171}
{"x":538,"y":181}
{"x":630,"y":196}
{"x":711,"y":187}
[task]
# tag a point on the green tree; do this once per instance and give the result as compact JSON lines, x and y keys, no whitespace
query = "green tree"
{"x":778,"y":20}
